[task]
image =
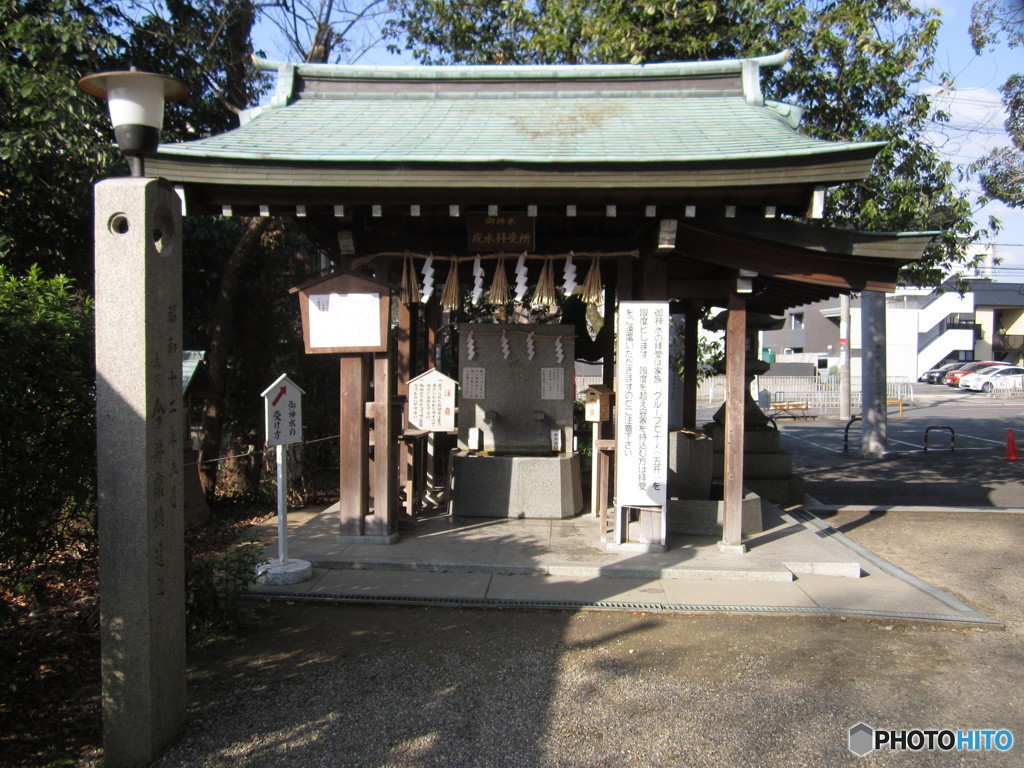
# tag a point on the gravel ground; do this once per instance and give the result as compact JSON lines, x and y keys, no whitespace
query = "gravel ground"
{"x":332,"y":685}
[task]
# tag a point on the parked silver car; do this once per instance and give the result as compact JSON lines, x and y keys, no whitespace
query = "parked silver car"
{"x":994,"y":377}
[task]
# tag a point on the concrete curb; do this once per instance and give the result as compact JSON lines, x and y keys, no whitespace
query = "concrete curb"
{"x":877,"y":508}
{"x":763,"y":573}
{"x":968,"y":613}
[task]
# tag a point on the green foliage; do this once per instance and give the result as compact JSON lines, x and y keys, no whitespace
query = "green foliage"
{"x":215,"y":588}
{"x":856,"y":73}
{"x":855,"y":68}
{"x":1001,"y":172}
{"x":207,"y":45}
{"x":55,"y":141}
{"x":47,"y":436}
{"x":992,"y":21}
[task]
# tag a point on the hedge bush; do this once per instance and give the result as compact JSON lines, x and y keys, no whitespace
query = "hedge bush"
{"x":47,"y":430}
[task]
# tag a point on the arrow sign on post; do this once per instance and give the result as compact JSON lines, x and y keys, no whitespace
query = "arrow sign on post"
{"x":282,"y":402}
{"x":283,"y":411}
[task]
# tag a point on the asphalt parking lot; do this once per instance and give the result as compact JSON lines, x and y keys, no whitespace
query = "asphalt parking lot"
{"x":344,"y":685}
{"x":965,"y":464}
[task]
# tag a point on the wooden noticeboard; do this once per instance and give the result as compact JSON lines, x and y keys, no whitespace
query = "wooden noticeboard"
{"x":344,"y":313}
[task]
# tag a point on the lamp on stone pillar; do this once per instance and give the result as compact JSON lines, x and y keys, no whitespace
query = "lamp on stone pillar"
{"x":136,"y":103}
{"x":139,"y":452}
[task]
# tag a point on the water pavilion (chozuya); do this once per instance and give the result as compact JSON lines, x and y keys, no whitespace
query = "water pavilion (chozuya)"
{"x":660,"y":189}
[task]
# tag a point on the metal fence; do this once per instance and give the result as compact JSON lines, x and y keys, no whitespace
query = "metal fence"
{"x":1007,"y":387}
{"x":819,"y":394}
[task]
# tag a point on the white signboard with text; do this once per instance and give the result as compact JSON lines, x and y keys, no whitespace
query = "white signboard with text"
{"x":641,"y":403}
{"x":432,"y":402}
{"x":282,"y":402}
{"x":344,"y":320}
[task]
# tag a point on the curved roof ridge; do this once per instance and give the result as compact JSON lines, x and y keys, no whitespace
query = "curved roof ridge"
{"x":523,"y":71}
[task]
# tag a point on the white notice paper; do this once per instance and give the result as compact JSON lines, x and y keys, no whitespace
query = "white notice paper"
{"x":552,"y":384}
{"x":474,"y":383}
{"x":344,"y":320}
{"x":641,"y":403}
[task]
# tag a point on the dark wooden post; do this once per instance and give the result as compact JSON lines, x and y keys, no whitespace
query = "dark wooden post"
{"x":354,"y":494}
{"x":690,"y":346}
{"x":611,"y":282}
{"x":436,"y":470}
{"x":384,"y":480}
{"x":405,"y":347}
{"x":654,"y":276}
{"x":735,"y":357}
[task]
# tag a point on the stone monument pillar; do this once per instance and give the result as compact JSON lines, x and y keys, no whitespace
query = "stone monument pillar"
{"x":873,"y":374}
{"x":139,"y":466}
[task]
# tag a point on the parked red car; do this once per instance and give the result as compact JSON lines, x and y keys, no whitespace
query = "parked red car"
{"x":953,"y":377}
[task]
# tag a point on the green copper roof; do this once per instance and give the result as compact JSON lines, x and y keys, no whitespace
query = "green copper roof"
{"x":512,"y":128}
{"x":704,"y":112}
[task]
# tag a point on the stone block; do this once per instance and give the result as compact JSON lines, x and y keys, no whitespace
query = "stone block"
{"x":694,"y":517}
{"x":779,"y":490}
{"x":516,"y":486}
{"x":754,"y":440}
{"x":690,"y":460}
{"x":518,"y":409}
{"x":760,"y":465}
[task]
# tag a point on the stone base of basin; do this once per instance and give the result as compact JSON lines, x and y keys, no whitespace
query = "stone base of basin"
{"x":704,"y":518}
{"x":545,"y":487}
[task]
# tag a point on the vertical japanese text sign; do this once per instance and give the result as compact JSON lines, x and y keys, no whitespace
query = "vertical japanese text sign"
{"x":641,"y":403}
{"x":282,"y":402}
{"x":432,"y":402}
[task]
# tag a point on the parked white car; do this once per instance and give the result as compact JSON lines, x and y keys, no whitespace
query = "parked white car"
{"x":995,"y":377}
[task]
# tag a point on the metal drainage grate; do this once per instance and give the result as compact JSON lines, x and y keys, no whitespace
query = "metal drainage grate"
{"x":485,"y":602}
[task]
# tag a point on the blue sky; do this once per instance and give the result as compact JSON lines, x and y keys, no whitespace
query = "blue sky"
{"x":977,"y":119}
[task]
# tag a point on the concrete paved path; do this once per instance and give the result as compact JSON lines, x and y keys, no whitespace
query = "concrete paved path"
{"x":798,"y":565}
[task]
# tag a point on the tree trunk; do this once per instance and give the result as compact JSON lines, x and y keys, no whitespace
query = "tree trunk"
{"x":221,"y":339}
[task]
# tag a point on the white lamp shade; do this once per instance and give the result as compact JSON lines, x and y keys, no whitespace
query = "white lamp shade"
{"x":136,"y":101}
{"x":134,"y":98}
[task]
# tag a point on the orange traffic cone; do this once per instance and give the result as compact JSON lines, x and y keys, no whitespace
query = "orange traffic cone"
{"x":1011,"y":446}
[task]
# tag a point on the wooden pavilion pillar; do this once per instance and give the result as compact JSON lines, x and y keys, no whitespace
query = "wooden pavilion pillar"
{"x":435,"y":462}
{"x":362,"y":477}
{"x":691,"y":342}
{"x":382,"y":524}
{"x":406,"y":359}
{"x":354,"y":485}
{"x":735,"y":382}
{"x":412,"y":451}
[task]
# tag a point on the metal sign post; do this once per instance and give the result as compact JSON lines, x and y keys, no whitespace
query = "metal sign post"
{"x":282,"y":402}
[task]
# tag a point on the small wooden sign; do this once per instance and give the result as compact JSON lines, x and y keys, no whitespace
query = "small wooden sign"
{"x":282,"y":408}
{"x":432,"y":402}
{"x":344,"y":313}
{"x":507,"y":232}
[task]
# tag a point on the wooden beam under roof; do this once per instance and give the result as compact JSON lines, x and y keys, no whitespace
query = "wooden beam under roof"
{"x":738,"y":251}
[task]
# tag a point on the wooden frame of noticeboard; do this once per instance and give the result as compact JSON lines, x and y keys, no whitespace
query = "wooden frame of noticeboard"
{"x":344,"y":313}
